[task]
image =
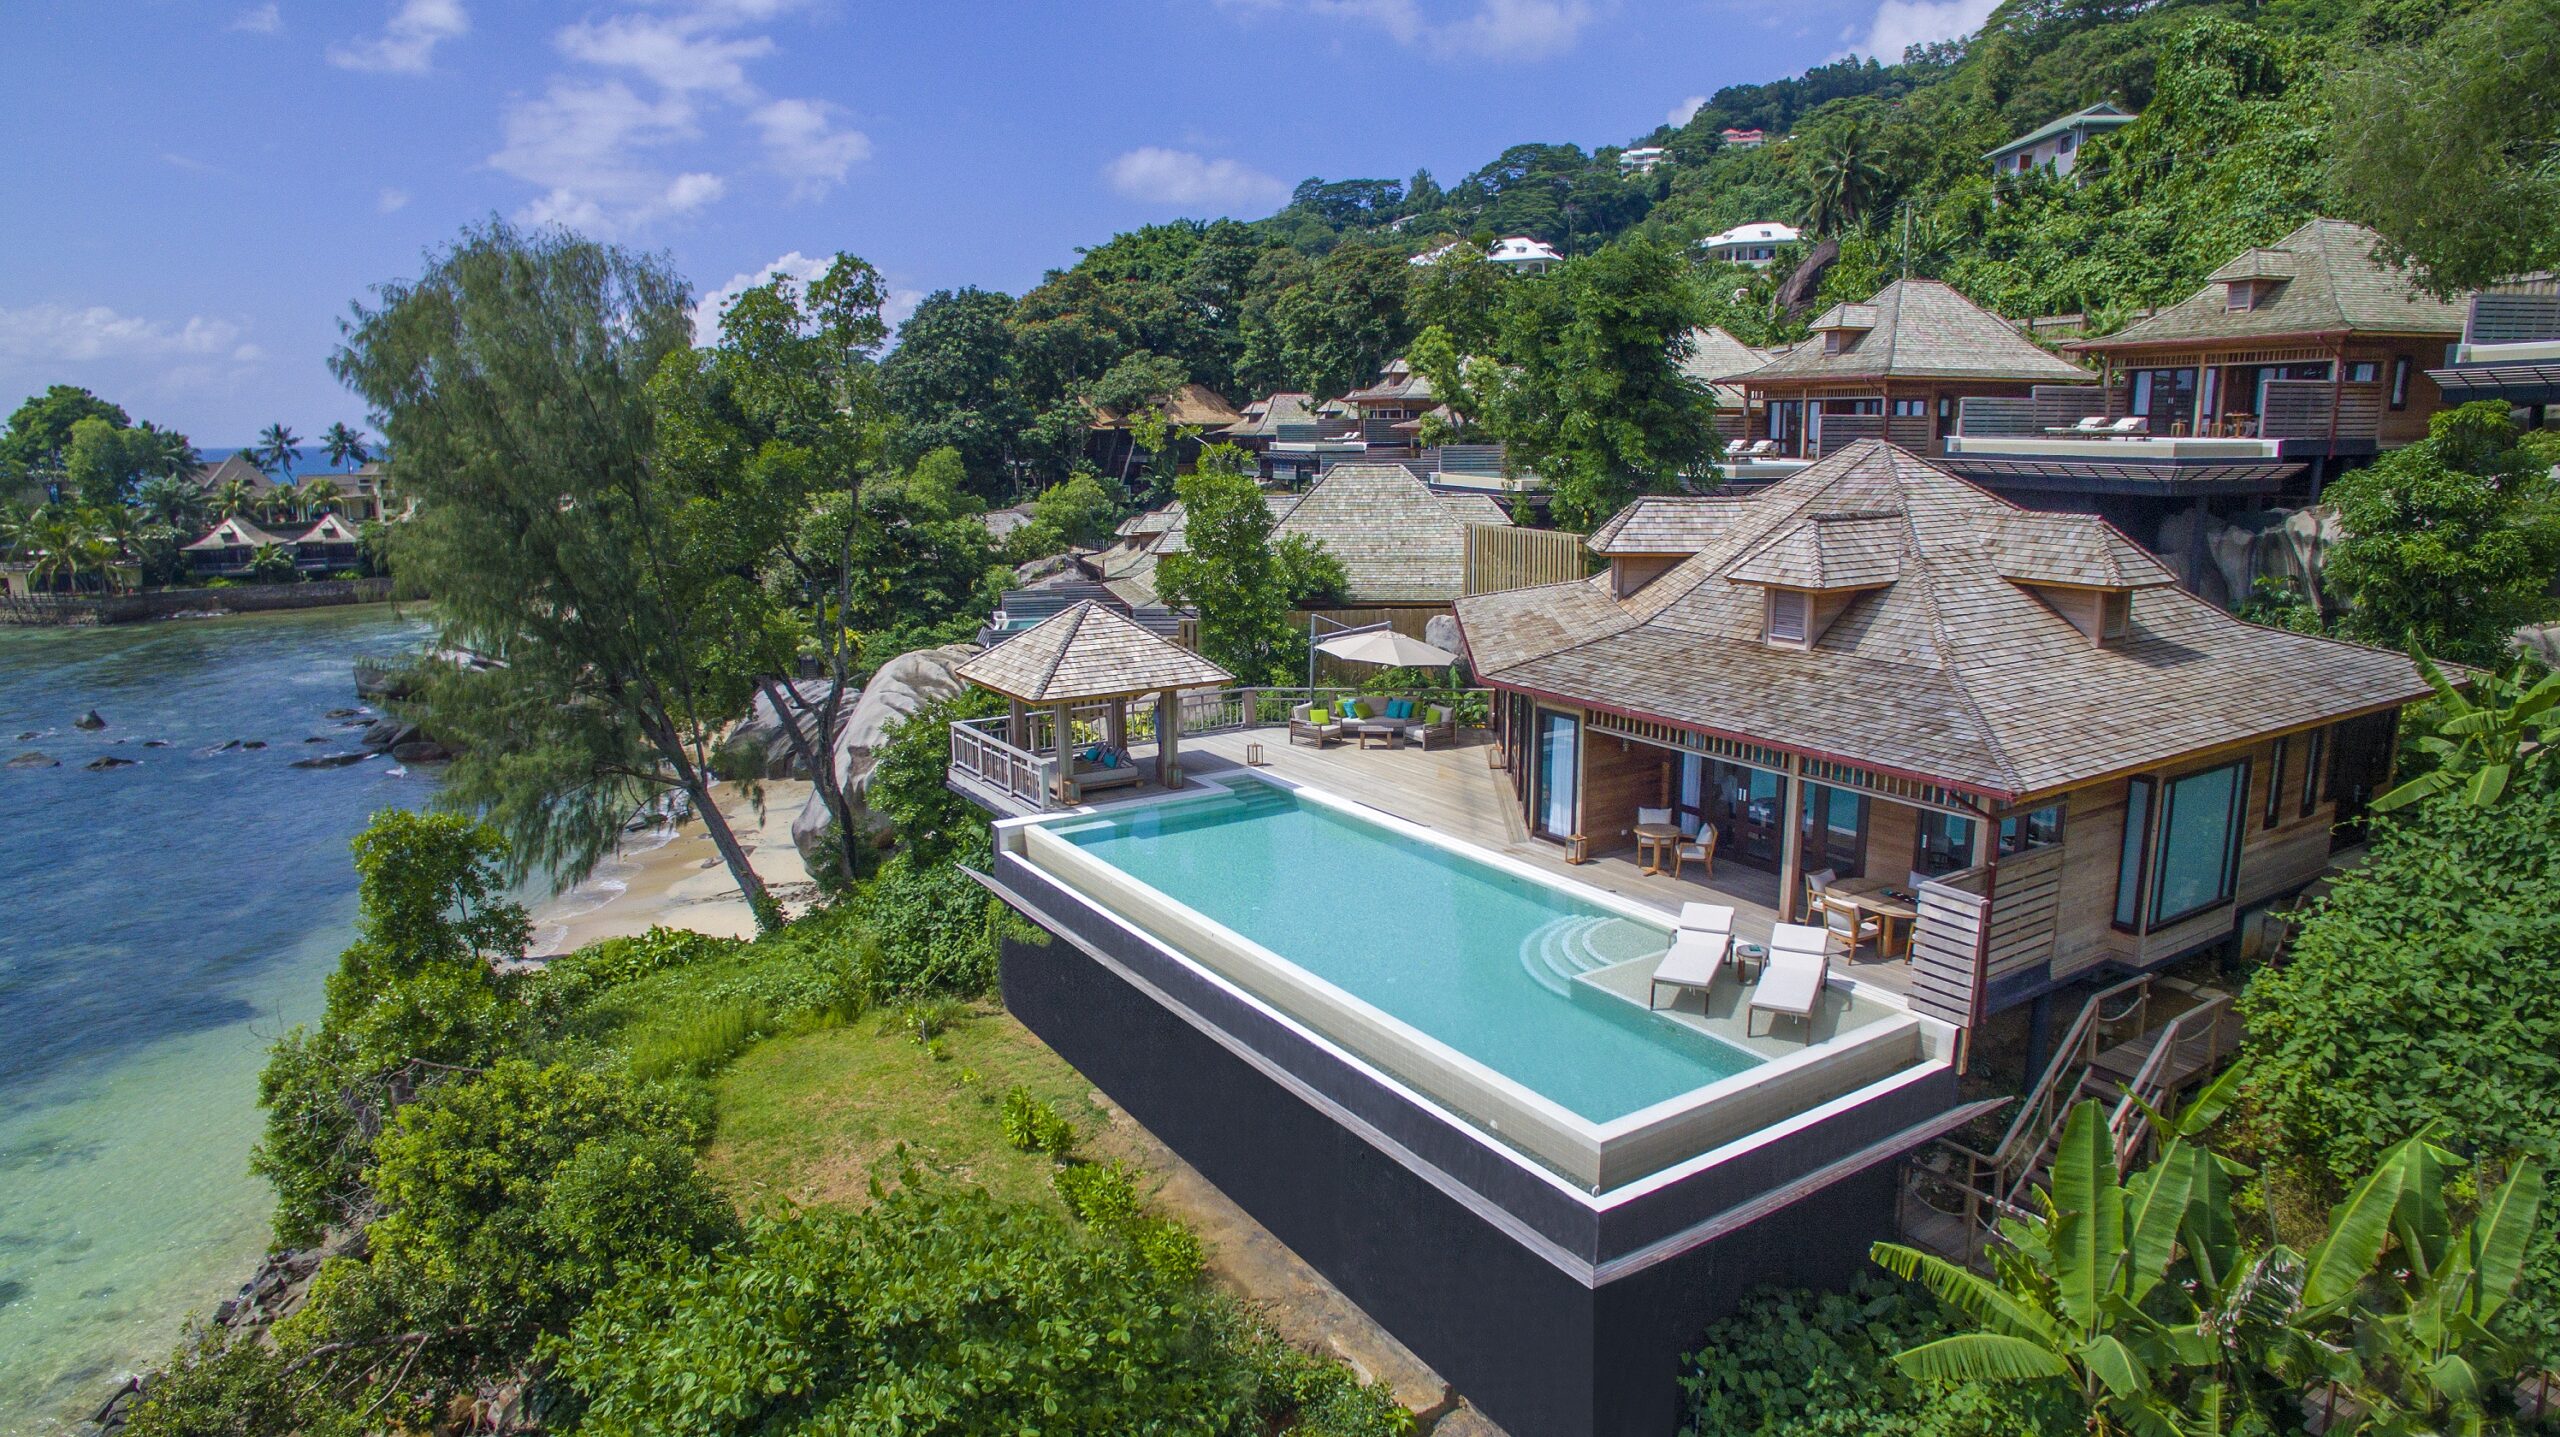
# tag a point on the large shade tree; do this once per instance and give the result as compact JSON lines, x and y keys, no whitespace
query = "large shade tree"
{"x":614,"y":590}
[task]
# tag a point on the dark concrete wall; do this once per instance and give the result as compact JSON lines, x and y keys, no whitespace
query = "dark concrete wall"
{"x":1543,"y":1346}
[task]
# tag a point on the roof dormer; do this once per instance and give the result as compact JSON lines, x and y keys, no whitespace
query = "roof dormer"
{"x":1810,"y":574}
{"x":2253,"y":278}
{"x":2080,"y":568}
{"x":1843,"y":325}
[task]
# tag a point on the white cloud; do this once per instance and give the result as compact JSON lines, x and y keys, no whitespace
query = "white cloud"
{"x":73,"y":334}
{"x":598,"y":147}
{"x":1900,"y":24}
{"x":803,"y":144}
{"x":1477,"y":29}
{"x":391,"y":200}
{"x":260,"y":19}
{"x":1687,"y":110}
{"x":407,"y":44}
{"x":1181,"y":177}
{"x":676,"y":53}
{"x":795,"y":265}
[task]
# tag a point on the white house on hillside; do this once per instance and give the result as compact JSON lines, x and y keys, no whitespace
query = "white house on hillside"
{"x":1525,"y":255}
{"x":2056,"y":145}
{"x":1640,"y":160}
{"x":1753,"y":244}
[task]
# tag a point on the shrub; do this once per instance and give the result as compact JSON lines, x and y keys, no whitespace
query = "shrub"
{"x":933,"y":1311}
{"x":2419,"y":991}
{"x":1099,"y":1194}
{"x":702,"y":1040}
{"x":611,"y":961}
{"x":1793,"y":1363}
{"x":930,"y":927}
{"x":1033,"y":1126}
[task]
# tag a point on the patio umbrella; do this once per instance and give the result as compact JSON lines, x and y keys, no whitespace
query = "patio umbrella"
{"x":1386,"y":646}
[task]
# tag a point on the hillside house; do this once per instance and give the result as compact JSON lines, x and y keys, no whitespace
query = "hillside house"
{"x":2054,"y":146}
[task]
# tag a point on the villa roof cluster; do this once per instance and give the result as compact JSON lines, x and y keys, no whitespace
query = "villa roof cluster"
{"x":1088,"y":651}
{"x":1398,"y":540}
{"x":2322,"y":279}
{"x":1918,"y":329}
{"x":1948,"y":657}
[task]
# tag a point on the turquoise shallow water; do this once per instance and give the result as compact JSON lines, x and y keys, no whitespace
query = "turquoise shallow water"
{"x":1473,"y":956}
{"x":159,"y":925}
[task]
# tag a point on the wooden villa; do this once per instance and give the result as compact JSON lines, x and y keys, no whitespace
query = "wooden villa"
{"x":1194,"y":412}
{"x":231,"y":546}
{"x":331,"y":543}
{"x":1895,"y":367}
{"x":1875,"y":669}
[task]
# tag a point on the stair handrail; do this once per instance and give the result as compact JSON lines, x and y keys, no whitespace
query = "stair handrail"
{"x":2130,"y":1124}
{"x":2040,"y":1115}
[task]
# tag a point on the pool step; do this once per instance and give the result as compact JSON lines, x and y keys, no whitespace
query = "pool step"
{"x":1562,"y":949}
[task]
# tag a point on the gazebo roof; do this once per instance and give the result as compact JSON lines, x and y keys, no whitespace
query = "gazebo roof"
{"x":1088,"y":652}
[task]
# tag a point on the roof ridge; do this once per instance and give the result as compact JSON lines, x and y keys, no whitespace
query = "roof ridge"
{"x":1941,"y":640}
{"x":1066,"y":640}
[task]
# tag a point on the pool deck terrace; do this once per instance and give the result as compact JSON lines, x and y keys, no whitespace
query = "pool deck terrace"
{"x":1455,"y":790}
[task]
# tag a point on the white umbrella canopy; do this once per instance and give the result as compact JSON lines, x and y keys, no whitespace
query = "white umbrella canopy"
{"x":1386,"y":646}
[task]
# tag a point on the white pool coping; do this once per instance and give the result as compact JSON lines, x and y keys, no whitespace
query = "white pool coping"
{"x":1595,"y":1156}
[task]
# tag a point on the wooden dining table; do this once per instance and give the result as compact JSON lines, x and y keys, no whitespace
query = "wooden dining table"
{"x":1894,"y":916}
{"x":1653,"y":836}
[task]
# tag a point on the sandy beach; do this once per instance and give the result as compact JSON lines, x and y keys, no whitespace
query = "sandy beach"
{"x":673,"y":876}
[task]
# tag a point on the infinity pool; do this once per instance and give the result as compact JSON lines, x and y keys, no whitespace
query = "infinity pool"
{"x":1480,"y":959}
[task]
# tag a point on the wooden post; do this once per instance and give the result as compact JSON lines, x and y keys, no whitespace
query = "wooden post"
{"x":1791,"y":846}
{"x":1062,"y":738}
{"x":1168,"y":739}
{"x":1017,"y":723}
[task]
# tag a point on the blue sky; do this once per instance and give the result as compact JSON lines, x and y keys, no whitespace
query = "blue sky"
{"x":199,"y":189}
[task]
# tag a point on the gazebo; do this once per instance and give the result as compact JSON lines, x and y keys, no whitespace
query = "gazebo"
{"x":1083,"y":655}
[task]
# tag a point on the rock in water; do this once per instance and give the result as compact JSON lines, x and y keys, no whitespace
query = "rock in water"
{"x":90,"y":721}
{"x":342,"y":713}
{"x":420,"y":750}
{"x":330,"y":760}
{"x":31,"y":735}
{"x":155,"y":743}
{"x":387,"y":733}
{"x":253,"y":743}
{"x":110,"y":761}
{"x":35,"y":760}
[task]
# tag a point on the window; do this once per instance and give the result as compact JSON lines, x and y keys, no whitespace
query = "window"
{"x":2199,"y":860}
{"x":1789,"y":615}
{"x":2240,"y":294}
{"x":2315,"y":765}
{"x":2137,"y":827}
{"x":2275,"y":785}
{"x":2364,"y":371}
{"x":2029,"y":831}
{"x":1946,"y":843}
{"x":1559,"y":738}
{"x":2400,"y":382}
{"x":1911,"y":409}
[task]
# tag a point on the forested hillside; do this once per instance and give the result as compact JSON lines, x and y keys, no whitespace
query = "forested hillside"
{"x":2254,"y":117}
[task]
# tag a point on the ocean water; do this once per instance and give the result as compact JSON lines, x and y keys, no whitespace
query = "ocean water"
{"x":159,"y":926}
{"x":1477,"y":957}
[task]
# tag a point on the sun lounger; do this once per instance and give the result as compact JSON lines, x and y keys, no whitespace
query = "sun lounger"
{"x":1791,"y":982}
{"x":1699,"y":949}
{"x":2132,"y":426}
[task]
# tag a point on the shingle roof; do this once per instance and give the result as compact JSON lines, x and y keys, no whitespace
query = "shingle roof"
{"x":2100,"y":116}
{"x":1088,"y":652}
{"x":2044,"y":548}
{"x":236,"y":533}
{"x":1665,"y":524}
{"x":1828,"y":552}
{"x":2327,"y":282}
{"x":1920,"y":328}
{"x":1263,"y":417}
{"x":1397,"y":540}
{"x":1193,"y":404}
{"x":328,"y":529}
{"x":1715,"y":357}
{"x":1952,"y":671}
{"x":1396,"y":382}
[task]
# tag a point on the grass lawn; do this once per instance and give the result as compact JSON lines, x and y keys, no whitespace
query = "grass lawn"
{"x":813,"y":1119}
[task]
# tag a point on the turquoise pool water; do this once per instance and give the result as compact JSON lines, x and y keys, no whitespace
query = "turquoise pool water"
{"x":1475,"y":957}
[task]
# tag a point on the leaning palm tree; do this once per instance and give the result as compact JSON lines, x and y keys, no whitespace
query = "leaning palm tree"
{"x":172,"y":456}
{"x":344,"y":446}
{"x":1845,"y":179}
{"x":15,"y":521}
{"x":319,"y":495}
{"x":282,"y":502}
{"x":278,"y":449}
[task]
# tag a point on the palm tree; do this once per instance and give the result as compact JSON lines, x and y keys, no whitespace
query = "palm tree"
{"x":1845,"y":180}
{"x":319,"y":495}
{"x":344,"y":446}
{"x":172,"y":501}
{"x":278,"y":449}
{"x":283,"y":501}
{"x":173,"y":457}
{"x":65,"y":541}
{"x":234,"y":499}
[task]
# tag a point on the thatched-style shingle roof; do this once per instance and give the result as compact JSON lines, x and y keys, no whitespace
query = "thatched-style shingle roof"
{"x":2322,"y":279}
{"x":237,"y":533}
{"x":1953,"y":671}
{"x":1665,"y":524}
{"x":1397,"y":540}
{"x":1193,"y":405}
{"x":1088,"y":652}
{"x":1917,"y":329}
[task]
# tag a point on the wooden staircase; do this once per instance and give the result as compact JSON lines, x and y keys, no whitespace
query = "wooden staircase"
{"x":2146,"y":1038}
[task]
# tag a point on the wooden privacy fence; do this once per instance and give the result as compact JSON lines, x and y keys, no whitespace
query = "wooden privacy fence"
{"x":1505,"y":556}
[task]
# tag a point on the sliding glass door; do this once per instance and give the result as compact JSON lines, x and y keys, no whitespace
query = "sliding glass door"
{"x":1559,"y":772}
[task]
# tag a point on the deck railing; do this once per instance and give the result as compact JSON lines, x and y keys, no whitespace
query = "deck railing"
{"x":985,"y":757}
{"x":2309,"y":408}
{"x":2504,"y":318}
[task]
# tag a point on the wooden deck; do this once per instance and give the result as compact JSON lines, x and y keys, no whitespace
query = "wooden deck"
{"x":1456,"y":791}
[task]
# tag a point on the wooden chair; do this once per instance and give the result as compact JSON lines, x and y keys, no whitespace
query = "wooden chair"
{"x":1817,"y":886}
{"x":1842,"y":924}
{"x":1701,"y":848}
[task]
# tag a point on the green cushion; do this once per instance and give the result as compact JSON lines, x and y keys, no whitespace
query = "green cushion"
{"x":1319,"y":716}
{"x":1351,"y":708}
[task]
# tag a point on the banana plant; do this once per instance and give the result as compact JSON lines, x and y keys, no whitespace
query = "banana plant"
{"x":2082,"y":1292}
{"x":2482,"y":745}
{"x":2410,"y":1339}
